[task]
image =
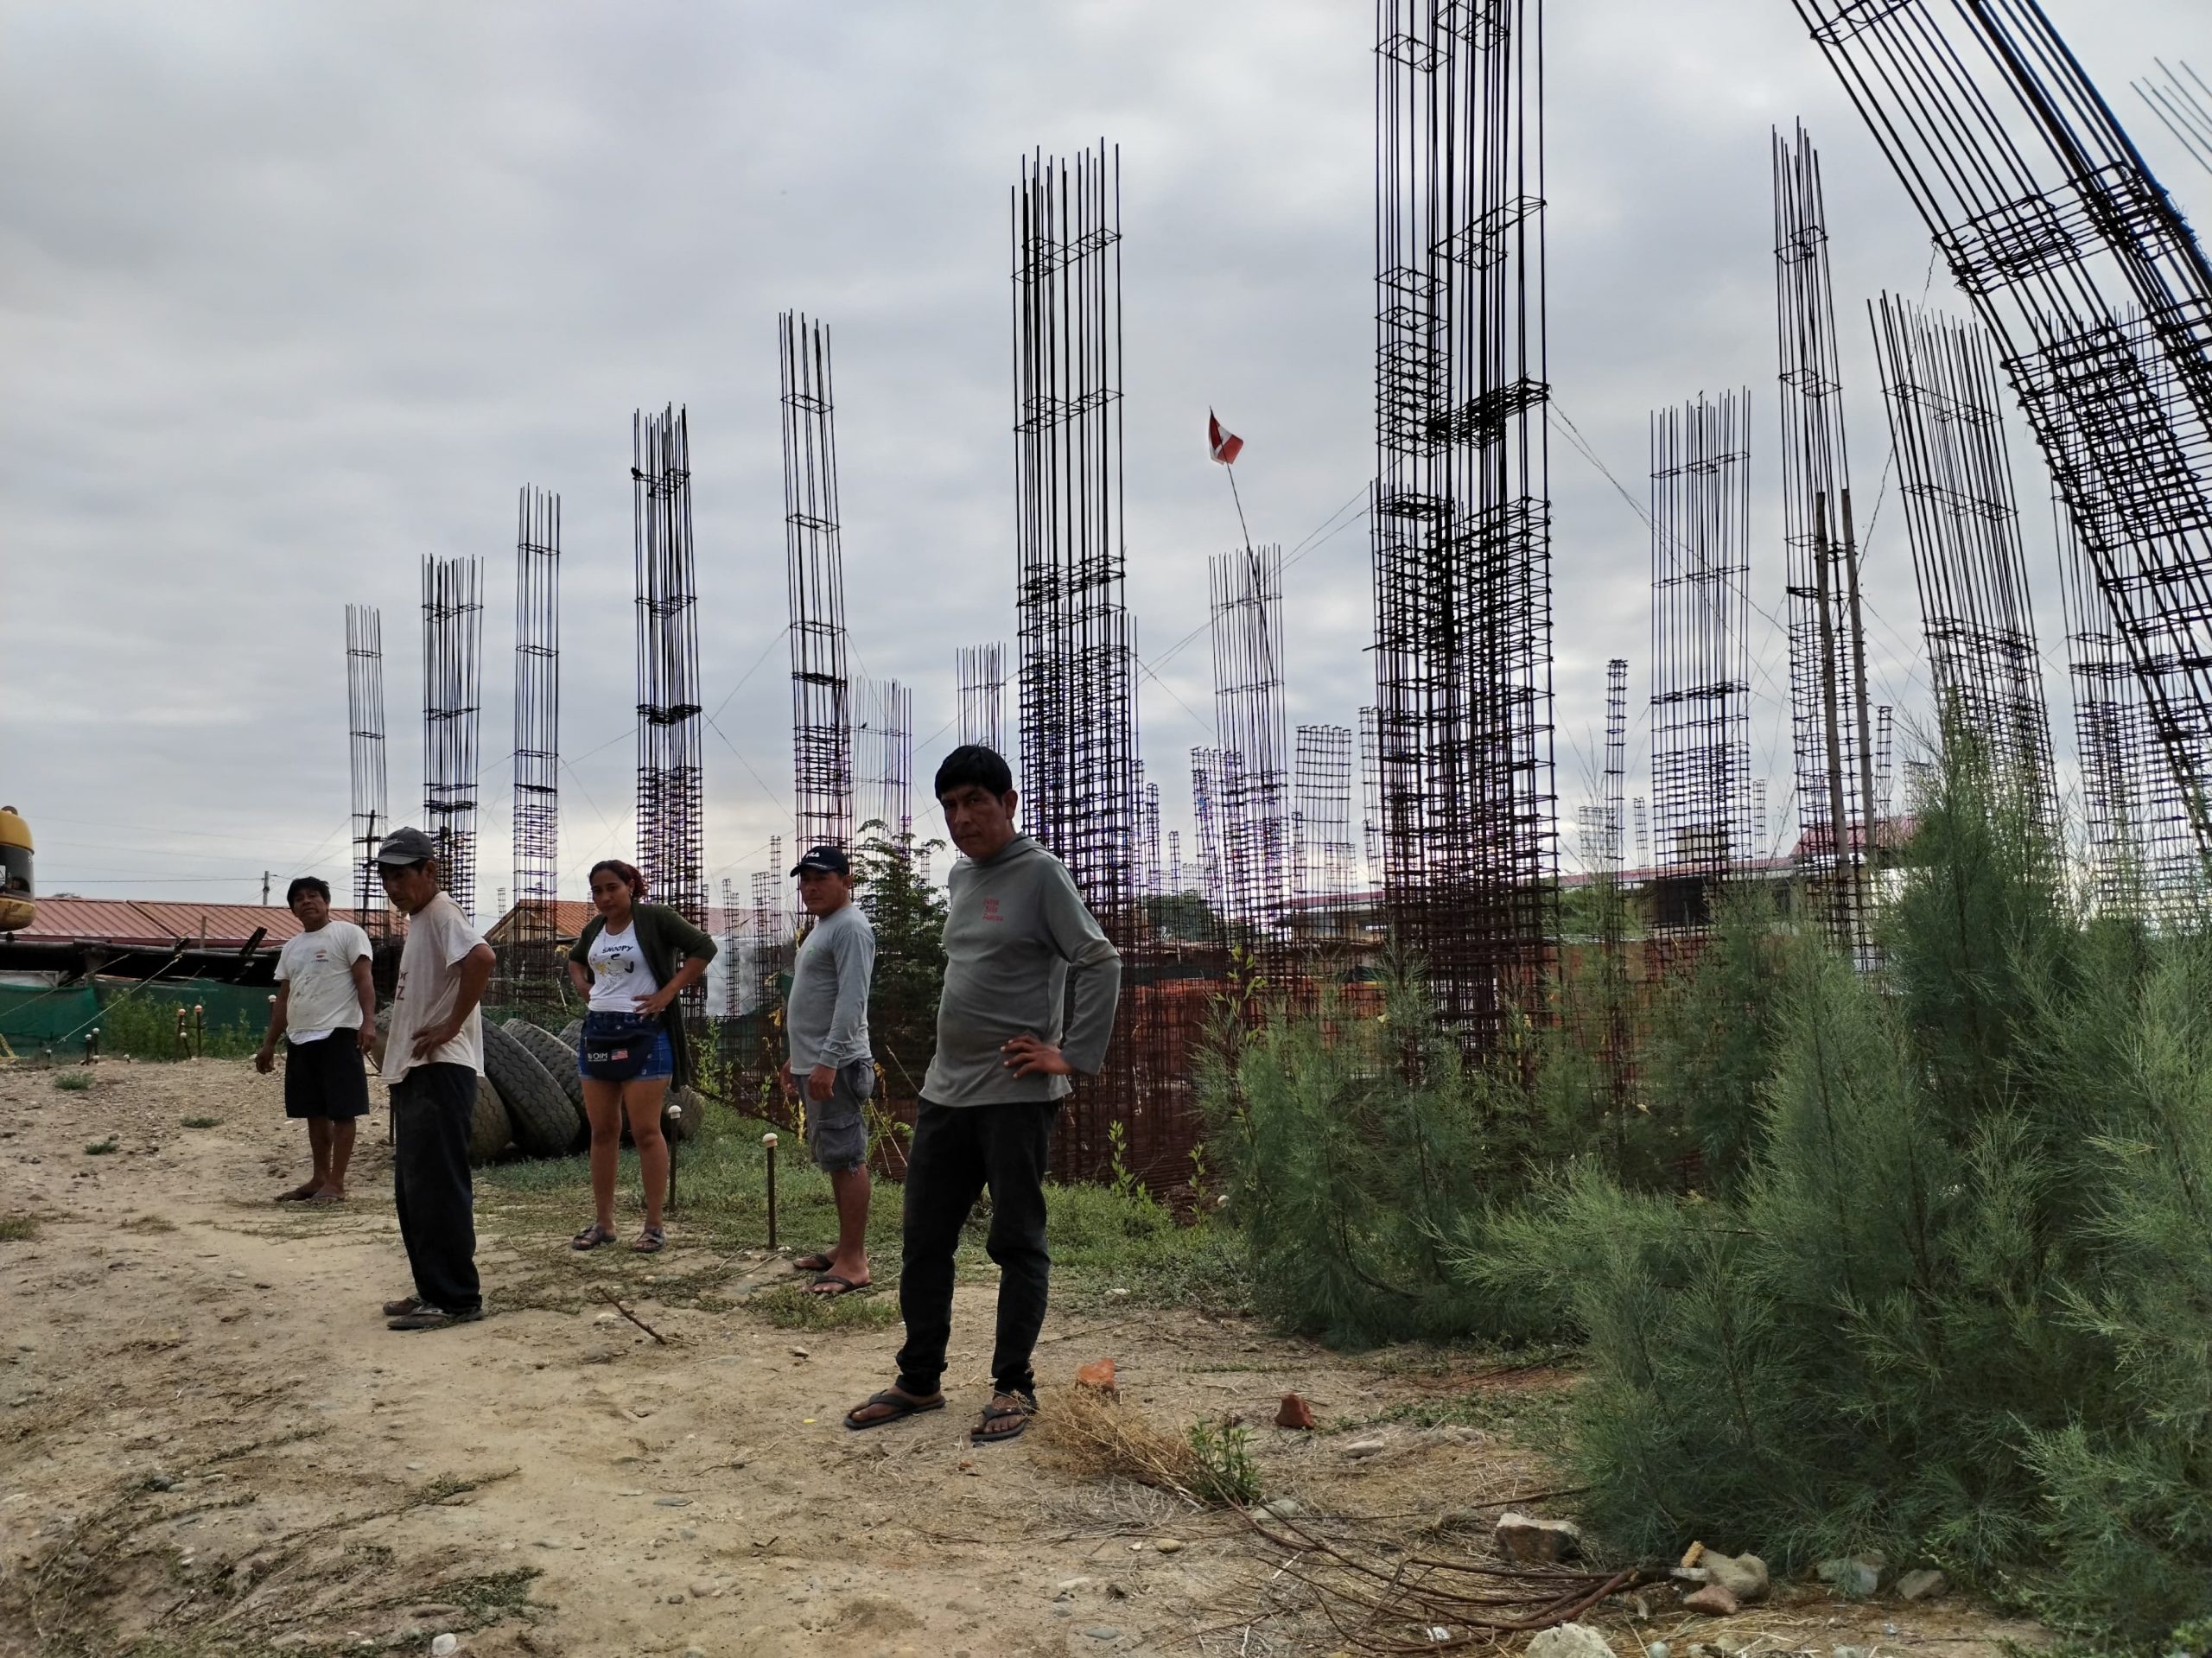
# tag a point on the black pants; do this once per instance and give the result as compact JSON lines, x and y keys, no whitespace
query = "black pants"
{"x":432,"y":1107}
{"x":956,"y":1153}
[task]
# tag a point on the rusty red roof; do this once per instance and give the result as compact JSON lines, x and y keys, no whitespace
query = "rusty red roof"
{"x":156,"y":921}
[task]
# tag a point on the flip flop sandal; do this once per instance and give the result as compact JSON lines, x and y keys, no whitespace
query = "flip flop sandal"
{"x":405,"y":1305}
{"x":320,"y":1198}
{"x":817,"y":1262}
{"x":1000,"y":1414}
{"x":902,"y":1407}
{"x":591,"y":1238}
{"x":844,"y":1286}
{"x":651,"y":1241}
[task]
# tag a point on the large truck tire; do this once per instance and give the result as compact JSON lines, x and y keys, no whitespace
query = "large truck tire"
{"x":559,"y":1058}
{"x":545,"y":1123}
{"x":560,"y":1062}
{"x":489,"y":1131}
{"x":572,"y":1034}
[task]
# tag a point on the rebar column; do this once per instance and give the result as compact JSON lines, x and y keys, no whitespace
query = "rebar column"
{"x":1253,"y":804}
{"x":1078,"y":646}
{"x":983,"y":696}
{"x":529,"y":964}
{"x":1461,"y":510}
{"x":1826,"y":683}
{"x":364,"y":763}
{"x":453,"y":647}
{"x":1701,"y":658}
{"x":671,"y":827}
{"x":1939,"y":383}
{"x":821,"y":716}
{"x":2096,"y":292}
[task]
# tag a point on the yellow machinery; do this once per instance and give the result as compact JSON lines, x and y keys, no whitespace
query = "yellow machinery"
{"x":17,"y":893}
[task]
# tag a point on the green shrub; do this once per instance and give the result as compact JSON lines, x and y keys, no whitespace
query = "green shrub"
{"x":143,"y":1024}
{"x":1350,"y":1147}
{"x":73,"y":1082}
{"x":18,"y":1228}
{"x":1953,"y":1305}
{"x":101,"y":1148}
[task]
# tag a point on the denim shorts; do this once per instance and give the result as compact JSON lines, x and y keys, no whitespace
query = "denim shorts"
{"x":660,"y":1063}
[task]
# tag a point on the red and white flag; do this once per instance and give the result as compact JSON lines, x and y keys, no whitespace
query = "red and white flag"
{"x":1225,"y":445}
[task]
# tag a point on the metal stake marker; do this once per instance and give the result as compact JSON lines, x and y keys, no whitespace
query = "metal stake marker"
{"x":769,"y":1141}
{"x":675,"y":1111}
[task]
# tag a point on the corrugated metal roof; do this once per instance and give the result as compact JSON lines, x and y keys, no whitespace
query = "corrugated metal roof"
{"x":155,"y":922}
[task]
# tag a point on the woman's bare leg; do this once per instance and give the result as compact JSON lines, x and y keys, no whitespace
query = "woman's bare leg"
{"x":603,"y":1105}
{"x":642,"y":1100}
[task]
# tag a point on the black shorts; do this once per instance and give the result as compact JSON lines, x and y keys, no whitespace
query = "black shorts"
{"x":326,"y":1079}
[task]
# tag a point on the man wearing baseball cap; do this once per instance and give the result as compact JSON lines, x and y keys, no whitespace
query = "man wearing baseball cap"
{"x":432,"y":1055}
{"x":830,"y":1063}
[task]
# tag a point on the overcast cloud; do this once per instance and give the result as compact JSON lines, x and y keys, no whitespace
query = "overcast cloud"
{"x":291,"y":296}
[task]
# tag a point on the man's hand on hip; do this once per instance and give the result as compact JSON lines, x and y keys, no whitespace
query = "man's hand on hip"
{"x":435,"y":1038}
{"x":1027,"y":1056}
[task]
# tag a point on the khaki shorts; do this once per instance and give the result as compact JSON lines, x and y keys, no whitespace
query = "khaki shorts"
{"x":837,"y":1128}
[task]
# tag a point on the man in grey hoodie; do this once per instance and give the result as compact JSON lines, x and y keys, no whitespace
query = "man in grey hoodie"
{"x":1017,"y":935}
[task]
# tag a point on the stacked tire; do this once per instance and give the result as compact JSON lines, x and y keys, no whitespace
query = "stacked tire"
{"x":545,"y":1121}
{"x":559,"y":1058}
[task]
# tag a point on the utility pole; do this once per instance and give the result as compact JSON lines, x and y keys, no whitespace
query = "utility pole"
{"x":264,"y":889}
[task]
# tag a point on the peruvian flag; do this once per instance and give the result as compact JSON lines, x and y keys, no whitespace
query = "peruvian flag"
{"x":1225,"y":445}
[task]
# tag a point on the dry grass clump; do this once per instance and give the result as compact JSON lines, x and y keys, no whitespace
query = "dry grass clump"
{"x":1087,"y":1432}
{"x":1082,"y":1432}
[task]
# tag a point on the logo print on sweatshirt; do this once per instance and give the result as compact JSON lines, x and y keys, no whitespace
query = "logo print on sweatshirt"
{"x":991,"y":910}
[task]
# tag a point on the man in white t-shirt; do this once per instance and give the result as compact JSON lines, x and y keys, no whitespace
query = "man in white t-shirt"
{"x":326,"y":1009}
{"x":433,"y":1054}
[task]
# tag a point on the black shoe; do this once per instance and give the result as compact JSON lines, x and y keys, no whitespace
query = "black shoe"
{"x":430,"y":1318}
{"x":402,"y":1306}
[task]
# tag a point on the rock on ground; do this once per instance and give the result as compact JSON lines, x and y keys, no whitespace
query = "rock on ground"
{"x":1743,"y":1576}
{"x":1712,"y":1600}
{"x":1923,"y":1585}
{"x":1570,"y":1641}
{"x":1527,"y":1541}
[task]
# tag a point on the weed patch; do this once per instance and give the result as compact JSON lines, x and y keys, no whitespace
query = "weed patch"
{"x":790,"y":1306}
{"x":201,"y":1122}
{"x":73,"y":1082}
{"x":18,"y":1228}
{"x":1086,"y":1433}
{"x":102,"y":1147}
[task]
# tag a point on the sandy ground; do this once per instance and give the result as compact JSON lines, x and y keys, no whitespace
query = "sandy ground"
{"x":209,"y":1442}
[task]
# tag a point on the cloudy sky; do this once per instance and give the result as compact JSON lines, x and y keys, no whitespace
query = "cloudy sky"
{"x":293,"y":296}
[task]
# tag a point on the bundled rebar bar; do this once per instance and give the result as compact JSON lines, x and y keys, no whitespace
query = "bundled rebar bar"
{"x":671,"y":794}
{"x":529,"y":963}
{"x":2096,"y":293}
{"x":453,"y":656}
{"x":1461,"y":520}
{"x":1939,"y":381}
{"x":1827,"y":652}
{"x":822,"y":713}
{"x":366,"y":772}
{"x":1701,"y":658}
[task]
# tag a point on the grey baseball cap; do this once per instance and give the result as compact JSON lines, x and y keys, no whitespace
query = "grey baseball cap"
{"x":406,"y":846}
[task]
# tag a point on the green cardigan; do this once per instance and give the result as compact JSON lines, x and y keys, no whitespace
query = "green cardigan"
{"x":667,"y":940}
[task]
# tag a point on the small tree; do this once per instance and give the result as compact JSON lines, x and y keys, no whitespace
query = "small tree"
{"x":908,"y":916}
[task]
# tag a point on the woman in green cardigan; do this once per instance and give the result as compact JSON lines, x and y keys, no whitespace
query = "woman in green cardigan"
{"x":632,"y":964}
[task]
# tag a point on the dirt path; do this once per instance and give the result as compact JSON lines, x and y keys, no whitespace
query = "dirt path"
{"x":209,"y":1441}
